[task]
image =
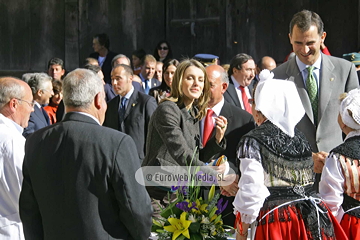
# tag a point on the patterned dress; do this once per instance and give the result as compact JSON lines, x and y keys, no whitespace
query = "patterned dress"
{"x":275,"y":188}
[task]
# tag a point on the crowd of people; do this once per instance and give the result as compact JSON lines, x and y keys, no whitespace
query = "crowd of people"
{"x":71,"y":144}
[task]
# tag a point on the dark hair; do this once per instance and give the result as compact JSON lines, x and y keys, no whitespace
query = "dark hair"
{"x":103,"y":40}
{"x":94,"y":68}
{"x":89,"y":60}
{"x":56,"y":61}
{"x":238,"y":61}
{"x":305,"y":19}
{"x":140,"y":53}
{"x":156,"y":54}
{"x":168,"y":63}
{"x":57,"y":86}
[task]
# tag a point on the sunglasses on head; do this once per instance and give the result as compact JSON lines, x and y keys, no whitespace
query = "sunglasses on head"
{"x":163,"y":48}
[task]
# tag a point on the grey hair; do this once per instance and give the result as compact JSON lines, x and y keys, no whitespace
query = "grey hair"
{"x":80,"y":88}
{"x":37,"y":81}
{"x":26,"y":77}
{"x":224,"y":77}
{"x":117,"y":57}
{"x":9,"y":89}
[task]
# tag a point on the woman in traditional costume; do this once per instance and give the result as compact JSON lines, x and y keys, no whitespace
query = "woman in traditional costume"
{"x":275,"y":192}
{"x":340,"y":180}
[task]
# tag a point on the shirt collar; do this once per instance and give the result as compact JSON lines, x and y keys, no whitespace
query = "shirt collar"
{"x":128,"y":95}
{"x":8,"y":121}
{"x":217,"y":108}
{"x":236,"y":84}
{"x":91,"y":116}
{"x":302,"y":66}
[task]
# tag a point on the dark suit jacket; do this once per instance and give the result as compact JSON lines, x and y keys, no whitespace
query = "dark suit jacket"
{"x":230,"y":94}
{"x":139,"y":109}
{"x":239,"y":123}
{"x":37,"y":121}
{"x":110,"y":94}
{"x":337,"y":76}
{"x":154,"y":82}
{"x":106,"y":67}
{"x":81,"y":185}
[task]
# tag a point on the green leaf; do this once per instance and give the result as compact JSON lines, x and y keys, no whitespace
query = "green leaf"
{"x":195,"y":236}
{"x":181,"y":237}
{"x":194,"y":227}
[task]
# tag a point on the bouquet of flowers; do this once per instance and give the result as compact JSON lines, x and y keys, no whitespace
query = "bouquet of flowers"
{"x":190,"y":216}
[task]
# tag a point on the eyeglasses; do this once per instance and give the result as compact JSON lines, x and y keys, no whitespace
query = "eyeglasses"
{"x":31,"y":104}
{"x":163,"y":48}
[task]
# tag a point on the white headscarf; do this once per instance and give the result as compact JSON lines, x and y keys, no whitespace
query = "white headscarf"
{"x":279,"y":101}
{"x":351,"y":103}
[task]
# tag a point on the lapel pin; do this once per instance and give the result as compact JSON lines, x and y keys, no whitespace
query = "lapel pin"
{"x":133,"y":104}
{"x":331,"y":79}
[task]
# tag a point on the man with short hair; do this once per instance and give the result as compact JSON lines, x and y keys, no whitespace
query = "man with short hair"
{"x":320,"y":79}
{"x":239,"y":122}
{"x":120,"y":59}
{"x":241,"y":73}
{"x":147,"y":73}
{"x":56,"y":68}
{"x":81,"y":185}
{"x":130,"y":111}
{"x":16,"y":104}
{"x":265,"y":62}
{"x":102,"y":53}
{"x":42,"y":90}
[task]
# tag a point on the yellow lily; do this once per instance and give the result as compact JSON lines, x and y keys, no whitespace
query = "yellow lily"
{"x":211,"y":192}
{"x":179,"y":226}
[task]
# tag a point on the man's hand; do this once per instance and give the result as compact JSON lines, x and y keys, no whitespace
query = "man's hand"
{"x":319,"y":161}
{"x":221,"y":125}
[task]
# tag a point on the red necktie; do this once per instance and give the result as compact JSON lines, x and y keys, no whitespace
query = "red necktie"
{"x":245,"y":100}
{"x":208,"y":126}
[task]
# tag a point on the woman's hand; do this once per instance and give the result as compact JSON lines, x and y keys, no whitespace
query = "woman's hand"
{"x":221,"y":125}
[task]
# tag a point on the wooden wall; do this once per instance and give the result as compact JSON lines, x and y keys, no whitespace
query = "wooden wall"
{"x":32,"y":32}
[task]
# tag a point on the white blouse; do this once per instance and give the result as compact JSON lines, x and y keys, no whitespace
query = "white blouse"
{"x":331,"y":186}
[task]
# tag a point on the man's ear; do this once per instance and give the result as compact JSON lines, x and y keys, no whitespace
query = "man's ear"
{"x":13,"y":104}
{"x":98,"y":100}
{"x":224,"y":86}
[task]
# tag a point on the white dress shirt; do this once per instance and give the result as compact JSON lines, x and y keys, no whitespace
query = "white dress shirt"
{"x":238,"y":91}
{"x":12,"y":150}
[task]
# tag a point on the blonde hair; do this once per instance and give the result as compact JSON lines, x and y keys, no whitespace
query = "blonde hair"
{"x":177,"y":95}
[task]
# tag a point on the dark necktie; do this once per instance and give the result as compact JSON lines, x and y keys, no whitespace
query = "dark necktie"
{"x":147,"y":89}
{"x":312,"y":90}
{"x":245,"y":100}
{"x":122,"y":110}
{"x":208,"y":126}
{"x":46,"y":116}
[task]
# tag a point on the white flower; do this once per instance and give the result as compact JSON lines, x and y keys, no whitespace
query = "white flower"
{"x":191,"y":218}
{"x":205,"y":220}
{"x":265,"y":75}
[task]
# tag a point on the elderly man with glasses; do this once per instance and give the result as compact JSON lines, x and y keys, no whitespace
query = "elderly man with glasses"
{"x":16,"y":104}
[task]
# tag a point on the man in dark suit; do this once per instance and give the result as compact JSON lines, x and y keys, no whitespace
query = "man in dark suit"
{"x":130,"y":111}
{"x":320,"y":79}
{"x":41,"y":87}
{"x":81,"y":185}
{"x":109,"y":91}
{"x":101,"y":44}
{"x":147,"y":73}
{"x":241,"y":73}
{"x":239,"y":122}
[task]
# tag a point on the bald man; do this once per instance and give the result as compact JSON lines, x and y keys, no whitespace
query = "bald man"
{"x":265,"y":62}
{"x":16,"y":105}
{"x":239,"y":123}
